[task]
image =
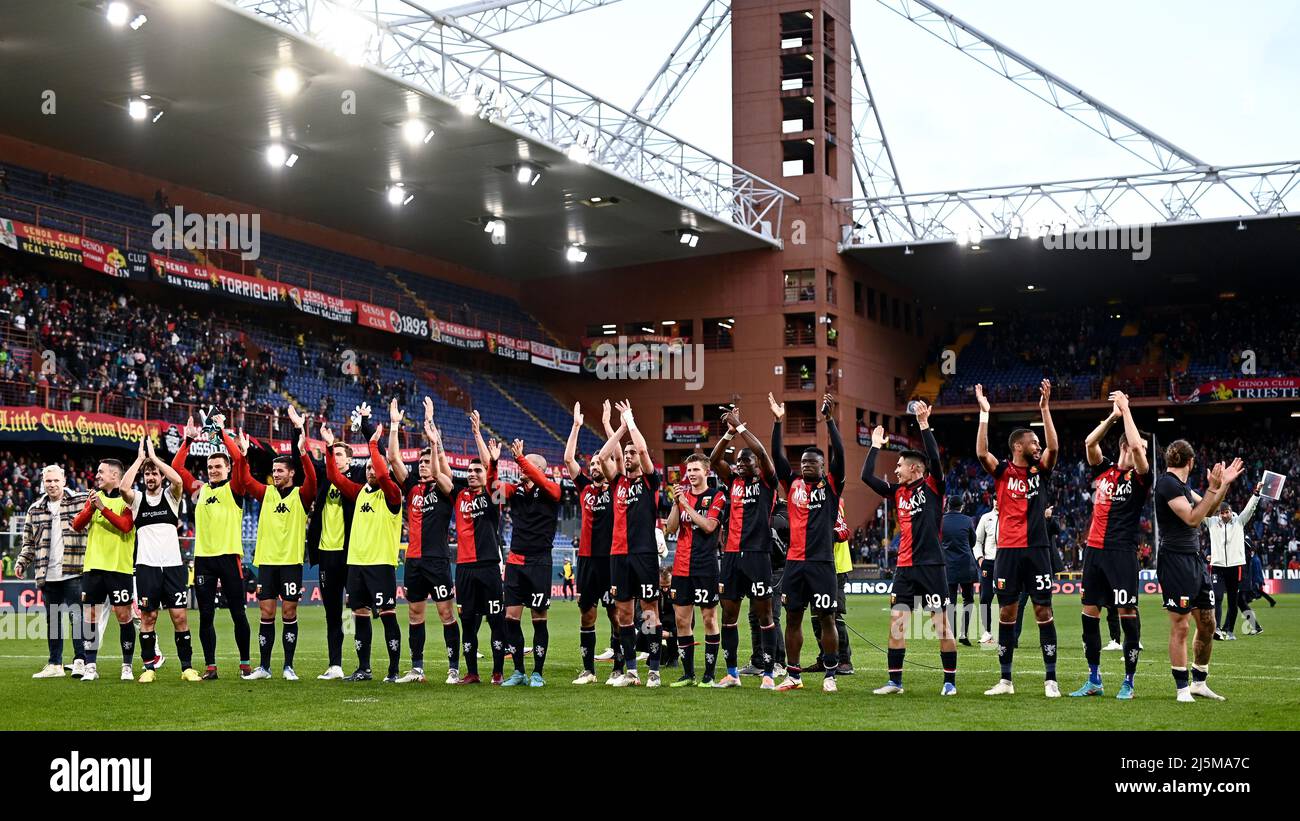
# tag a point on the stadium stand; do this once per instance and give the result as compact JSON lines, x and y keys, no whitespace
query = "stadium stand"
{"x":51,"y":201}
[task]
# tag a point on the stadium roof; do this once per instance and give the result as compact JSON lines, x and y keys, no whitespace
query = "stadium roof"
{"x":209,"y":68}
{"x":1203,"y":259}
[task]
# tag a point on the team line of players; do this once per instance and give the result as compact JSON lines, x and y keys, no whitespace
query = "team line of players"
{"x":352,"y":530}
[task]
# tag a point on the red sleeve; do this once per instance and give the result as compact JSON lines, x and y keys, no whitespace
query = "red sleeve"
{"x":540,"y":479}
{"x":241,"y":475}
{"x":122,"y":521}
{"x":188,"y":481}
{"x":716,"y":506}
{"x":346,"y":486}
{"x":842,"y":532}
{"x":392,"y":493}
{"x":83,"y":518}
{"x":307,"y":493}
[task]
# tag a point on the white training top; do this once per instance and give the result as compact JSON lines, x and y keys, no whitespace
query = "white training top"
{"x":157,"y":542}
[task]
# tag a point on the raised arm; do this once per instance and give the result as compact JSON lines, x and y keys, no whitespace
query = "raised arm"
{"x":604,"y":419}
{"x":933,"y":462}
{"x":717,"y":459}
{"x":835,"y":459}
{"x":988,"y":460}
{"x":1131,"y":433}
{"x":1249,"y":510}
{"x":307,"y":493}
{"x":549,"y":486}
{"x":175,"y":484}
{"x":128,"y":478}
{"x":880,"y":486}
{"x":783,"y":472}
{"x":608,"y":457}
{"x":395,"y":462}
{"x":475,"y":424}
{"x":441,"y":467}
{"x":765,"y":465}
{"x":392,"y":492}
{"x":190,"y":484}
{"x":1051,"y":445}
{"x":241,"y":475}
{"x":1092,"y":444}
{"x":638,"y":441}
{"x":346,"y":486}
{"x":571,"y":445}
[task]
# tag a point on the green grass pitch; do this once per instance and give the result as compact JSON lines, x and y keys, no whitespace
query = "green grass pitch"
{"x":1259,"y":675}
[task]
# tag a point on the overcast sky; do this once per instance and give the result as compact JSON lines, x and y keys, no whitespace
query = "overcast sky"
{"x":1219,"y":79}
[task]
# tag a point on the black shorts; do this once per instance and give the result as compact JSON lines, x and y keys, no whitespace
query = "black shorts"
{"x":746,"y":574}
{"x":1184,"y":582}
{"x":279,"y":581}
{"x":226,"y":569}
{"x":593,"y":582}
{"x":1110,"y":578}
{"x":529,"y":584}
{"x":634,"y":576}
{"x":810,"y":583}
{"x":478,"y":589}
{"x":428,"y":576}
{"x":372,"y":586}
{"x":97,"y":585}
{"x":694,"y":591}
{"x":1023,"y":570}
{"x":161,"y":587}
{"x":927,"y":582}
{"x":986,"y":581}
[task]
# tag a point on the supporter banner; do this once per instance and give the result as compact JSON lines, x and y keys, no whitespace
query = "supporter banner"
{"x":200,"y":278}
{"x":557,"y":359}
{"x":458,"y":336}
{"x":508,"y":347}
{"x":628,"y":353}
{"x":28,"y":424}
{"x":93,"y":254}
{"x":391,"y":320}
{"x":686,"y":433}
{"x":326,"y":306}
{"x":107,"y":259}
{"x":1223,"y":390}
{"x":893,"y":441}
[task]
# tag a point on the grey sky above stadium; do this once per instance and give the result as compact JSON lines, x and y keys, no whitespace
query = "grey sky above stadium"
{"x":1212,"y":77}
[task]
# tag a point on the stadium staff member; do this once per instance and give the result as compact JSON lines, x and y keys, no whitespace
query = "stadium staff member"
{"x":1228,"y":560}
{"x":57,"y":552}
{"x":958,"y":540}
{"x":986,"y":548}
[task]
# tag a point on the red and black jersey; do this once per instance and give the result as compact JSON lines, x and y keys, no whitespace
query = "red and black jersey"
{"x":749,"y":525}
{"x":428,"y":518}
{"x":597,"y":517}
{"x":919,"y":506}
{"x":534,"y":512}
{"x":1021,"y":503}
{"x":697,"y":551}
{"x":636,"y":512}
{"x":477,"y":520}
{"x":1118,"y":498}
{"x":813,"y":508}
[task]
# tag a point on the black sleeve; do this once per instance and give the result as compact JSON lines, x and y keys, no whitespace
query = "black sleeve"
{"x":869,"y":476}
{"x":933,"y":461}
{"x":783,"y":472}
{"x":835,"y":463}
